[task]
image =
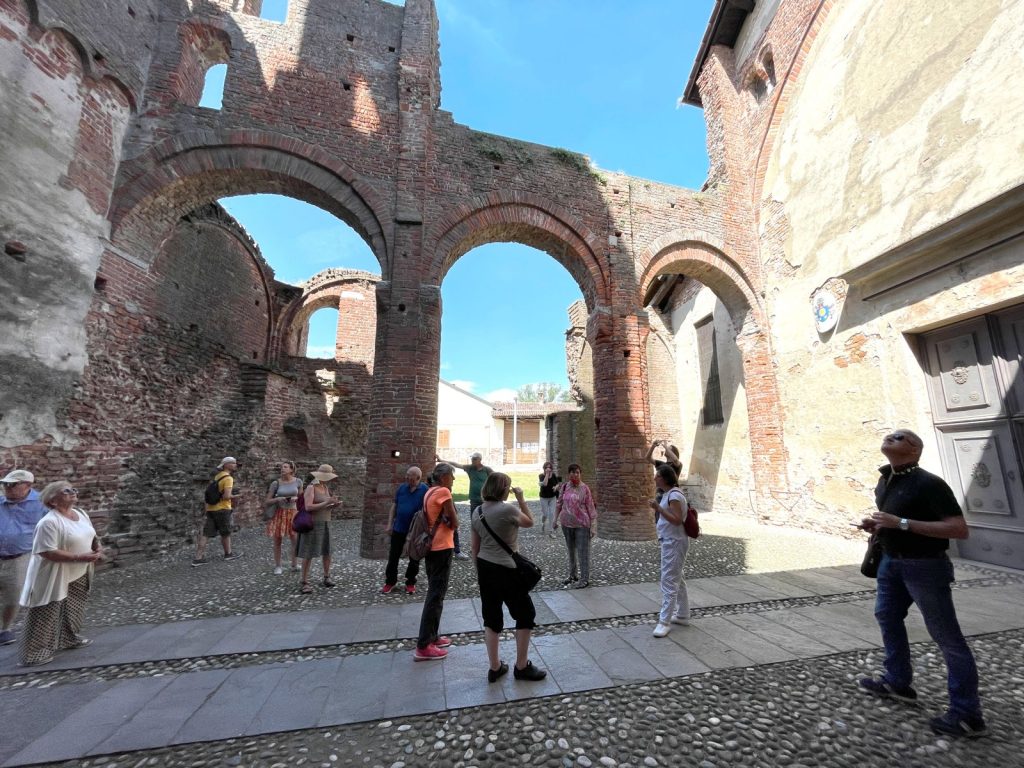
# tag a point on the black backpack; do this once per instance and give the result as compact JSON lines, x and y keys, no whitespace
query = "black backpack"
{"x":212,"y":494}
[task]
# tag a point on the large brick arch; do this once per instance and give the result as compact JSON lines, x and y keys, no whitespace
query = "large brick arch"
{"x":690,"y":253}
{"x":183,"y":172}
{"x":527,"y":219}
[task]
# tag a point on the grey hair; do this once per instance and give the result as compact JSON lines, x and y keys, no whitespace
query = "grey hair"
{"x":441,"y":470}
{"x":52,"y":491}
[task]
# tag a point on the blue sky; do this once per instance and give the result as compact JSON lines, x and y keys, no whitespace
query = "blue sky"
{"x":604,"y":83}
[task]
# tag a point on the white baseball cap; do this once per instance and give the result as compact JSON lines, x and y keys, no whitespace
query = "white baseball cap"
{"x":475,"y":455}
{"x":19,"y":476}
{"x":227,"y":460}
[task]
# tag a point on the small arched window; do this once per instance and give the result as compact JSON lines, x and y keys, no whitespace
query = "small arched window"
{"x":213,"y":87}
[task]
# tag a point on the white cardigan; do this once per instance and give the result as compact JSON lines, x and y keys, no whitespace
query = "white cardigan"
{"x":46,"y":581}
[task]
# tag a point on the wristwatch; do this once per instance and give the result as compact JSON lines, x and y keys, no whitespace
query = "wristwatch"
{"x":904,"y":524}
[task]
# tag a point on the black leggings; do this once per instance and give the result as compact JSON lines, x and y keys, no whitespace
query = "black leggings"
{"x":499,"y":584}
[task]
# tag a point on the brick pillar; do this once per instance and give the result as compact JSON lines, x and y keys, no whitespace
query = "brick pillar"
{"x":403,"y":414}
{"x":624,"y":480}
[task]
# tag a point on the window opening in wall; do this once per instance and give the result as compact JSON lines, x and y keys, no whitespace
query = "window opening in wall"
{"x":274,"y":10}
{"x":707,"y":351}
{"x":323,"y":330}
{"x":213,"y":87}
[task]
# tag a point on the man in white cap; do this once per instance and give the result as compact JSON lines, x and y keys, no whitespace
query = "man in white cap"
{"x":478,"y":474}
{"x":20,"y":510}
{"x":218,"y":512}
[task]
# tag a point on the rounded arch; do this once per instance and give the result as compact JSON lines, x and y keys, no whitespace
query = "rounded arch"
{"x":321,"y":291}
{"x":702,"y":257}
{"x":527,"y":219}
{"x":184,"y":172}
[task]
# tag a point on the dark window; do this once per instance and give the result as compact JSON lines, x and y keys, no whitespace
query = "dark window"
{"x":707,"y":351}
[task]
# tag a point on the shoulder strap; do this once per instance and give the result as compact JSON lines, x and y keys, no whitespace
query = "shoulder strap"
{"x":273,"y":488}
{"x":426,"y":514}
{"x":504,"y":546}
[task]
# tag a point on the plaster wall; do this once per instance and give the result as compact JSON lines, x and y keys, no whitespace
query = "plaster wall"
{"x":754,"y":28}
{"x":470,"y":424}
{"x":716,"y":457}
{"x":54,"y":125}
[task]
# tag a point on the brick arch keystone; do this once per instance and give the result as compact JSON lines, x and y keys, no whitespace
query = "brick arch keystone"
{"x":185,"y":171}
{"x":528,"y":219}
{"x":689,"y":252}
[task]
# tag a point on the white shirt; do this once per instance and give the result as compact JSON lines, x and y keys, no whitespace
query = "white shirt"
{"x":47,"y":581}
{"x":665,"y":529}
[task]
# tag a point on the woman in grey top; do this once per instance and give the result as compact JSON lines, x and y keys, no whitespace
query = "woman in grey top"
{"x":496,"y":574}
{"x":281,"y":498}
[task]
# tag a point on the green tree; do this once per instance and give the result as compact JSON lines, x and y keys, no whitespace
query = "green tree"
{"x":543,"y":392}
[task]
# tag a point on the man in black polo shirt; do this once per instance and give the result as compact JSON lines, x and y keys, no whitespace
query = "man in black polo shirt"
{"x":917,"y":516}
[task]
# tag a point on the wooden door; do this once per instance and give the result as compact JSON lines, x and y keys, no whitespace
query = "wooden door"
{"x":975,"y":391}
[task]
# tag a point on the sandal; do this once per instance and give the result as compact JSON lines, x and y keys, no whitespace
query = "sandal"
{"x":328,"y":583}
{"x":305,"y":588}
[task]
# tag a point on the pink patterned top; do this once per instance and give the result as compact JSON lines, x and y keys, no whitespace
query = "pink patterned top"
{"x":576,"y":508}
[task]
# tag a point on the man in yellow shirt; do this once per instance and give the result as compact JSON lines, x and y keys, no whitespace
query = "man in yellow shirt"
{"x":218,"y":514}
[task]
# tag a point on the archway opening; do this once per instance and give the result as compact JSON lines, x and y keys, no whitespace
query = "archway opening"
{"x":516,"y":384}
{"x":321,"y":334}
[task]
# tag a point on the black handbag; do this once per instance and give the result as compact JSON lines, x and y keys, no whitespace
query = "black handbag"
{"x":527,"y":571}
{"x":872,"y":558}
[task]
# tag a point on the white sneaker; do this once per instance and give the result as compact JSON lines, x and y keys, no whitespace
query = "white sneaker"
{"x":461,"y":556}
{"x":680,"y":620}
{"x":278,"y":571}
{"x":661,"y":630}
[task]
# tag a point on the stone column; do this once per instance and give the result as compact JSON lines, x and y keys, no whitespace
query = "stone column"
{"x":622,"y":422}
{"x":402,"y":428}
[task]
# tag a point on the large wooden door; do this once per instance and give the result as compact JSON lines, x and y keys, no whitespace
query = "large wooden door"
{"x":975,"y":387}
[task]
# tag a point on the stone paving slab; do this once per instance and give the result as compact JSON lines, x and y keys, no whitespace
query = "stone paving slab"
{"x":145,"y":712}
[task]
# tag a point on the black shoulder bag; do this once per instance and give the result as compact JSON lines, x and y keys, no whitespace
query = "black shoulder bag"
{"x":527,"y":571}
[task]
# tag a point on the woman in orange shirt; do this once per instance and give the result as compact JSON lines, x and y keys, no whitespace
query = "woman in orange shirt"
{"x":439,"y":509}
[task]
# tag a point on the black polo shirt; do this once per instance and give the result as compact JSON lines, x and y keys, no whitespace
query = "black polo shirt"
{"x":915,"y":495}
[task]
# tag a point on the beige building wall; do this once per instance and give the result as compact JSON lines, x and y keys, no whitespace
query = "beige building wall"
{"x":716,"y":458}
{"x":905,"y":117}
{"x":465,"y":424}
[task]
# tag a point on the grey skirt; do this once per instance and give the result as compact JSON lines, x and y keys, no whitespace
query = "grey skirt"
{"x":316,"y":543}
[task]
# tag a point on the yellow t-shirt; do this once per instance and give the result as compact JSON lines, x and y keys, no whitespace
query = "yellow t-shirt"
{"x":226,"y":483}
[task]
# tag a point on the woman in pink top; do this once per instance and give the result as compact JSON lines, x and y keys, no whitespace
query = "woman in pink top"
{"x":577,"y":514}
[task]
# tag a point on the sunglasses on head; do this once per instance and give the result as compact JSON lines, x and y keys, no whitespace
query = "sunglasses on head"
{"x":70,"y":491}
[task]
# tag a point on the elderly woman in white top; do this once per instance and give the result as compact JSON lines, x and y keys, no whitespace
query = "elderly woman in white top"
{"x":64,"y":549}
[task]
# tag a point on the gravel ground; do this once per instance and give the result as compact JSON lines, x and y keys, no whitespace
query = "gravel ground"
{"x":140,"y":593}
{"x":795,"y":713}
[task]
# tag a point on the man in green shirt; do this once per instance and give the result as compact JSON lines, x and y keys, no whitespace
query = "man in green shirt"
{"x":478,"y":474}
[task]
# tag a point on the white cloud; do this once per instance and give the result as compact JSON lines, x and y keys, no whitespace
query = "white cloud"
{"x":320,"y":351}
{"x":503,"y":395}
{"x":462,"y":384}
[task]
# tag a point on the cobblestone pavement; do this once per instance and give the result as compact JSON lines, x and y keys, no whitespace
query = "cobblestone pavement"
{"x":168,"y":589}
{"x":793,"y":713}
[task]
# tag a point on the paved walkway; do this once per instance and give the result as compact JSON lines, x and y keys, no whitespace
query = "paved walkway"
{"x":102,"y":717}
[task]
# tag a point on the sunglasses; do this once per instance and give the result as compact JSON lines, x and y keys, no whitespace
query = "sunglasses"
{"x":11,"y":485}
{"x":70,"y":491}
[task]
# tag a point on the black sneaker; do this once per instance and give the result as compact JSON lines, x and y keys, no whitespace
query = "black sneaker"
{"x":232,"y":555}
{"x":197,"y":561}
{"x":877,"y":687}
{"x":529,"y":672}
{"x":494,"y":674}
{"x":950,"y":724}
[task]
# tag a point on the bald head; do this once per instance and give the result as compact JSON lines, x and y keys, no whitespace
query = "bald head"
{"x":902,"y":446}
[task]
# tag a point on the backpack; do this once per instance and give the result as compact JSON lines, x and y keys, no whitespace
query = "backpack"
{"x":421,"y":535}
{"x":212,"y":494}
{"x":690,"y":524}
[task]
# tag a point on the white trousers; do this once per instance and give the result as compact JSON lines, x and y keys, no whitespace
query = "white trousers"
{"x":674,"y":599}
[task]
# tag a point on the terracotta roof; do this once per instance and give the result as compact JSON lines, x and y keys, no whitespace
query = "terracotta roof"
{"x":530,"y":410}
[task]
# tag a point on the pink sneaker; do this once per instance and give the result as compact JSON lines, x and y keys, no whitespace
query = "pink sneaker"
{"x":410,"y":589}
{"x":430,"y":653}
{"x":387,"y":589}
{"x":443,"y":641}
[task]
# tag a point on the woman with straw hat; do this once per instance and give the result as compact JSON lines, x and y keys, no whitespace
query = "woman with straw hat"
{"x":317,"y":543}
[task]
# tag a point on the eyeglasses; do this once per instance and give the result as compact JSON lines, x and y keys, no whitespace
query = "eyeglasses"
{"x":11,"y":485}
{"x":70,"y":491}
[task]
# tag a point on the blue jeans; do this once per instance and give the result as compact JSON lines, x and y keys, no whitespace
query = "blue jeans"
{"x":925,"y":581}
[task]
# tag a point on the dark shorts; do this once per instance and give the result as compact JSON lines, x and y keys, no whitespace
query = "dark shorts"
{"x":217,"y":524}
{"x":498,"y":585}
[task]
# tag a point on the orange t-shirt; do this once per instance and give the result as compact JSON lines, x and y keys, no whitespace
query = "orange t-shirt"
{"x":444,"y":536}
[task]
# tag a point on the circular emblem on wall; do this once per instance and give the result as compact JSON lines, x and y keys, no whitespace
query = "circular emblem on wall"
{"x":826,"y":314}
{"x":981,"y":475}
